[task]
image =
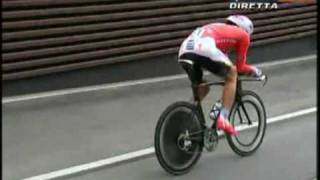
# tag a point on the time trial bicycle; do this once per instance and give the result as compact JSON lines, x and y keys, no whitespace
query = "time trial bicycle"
{"x":181,"y":132}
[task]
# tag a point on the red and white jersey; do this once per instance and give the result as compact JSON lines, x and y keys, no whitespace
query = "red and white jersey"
{"x":225,"y":37}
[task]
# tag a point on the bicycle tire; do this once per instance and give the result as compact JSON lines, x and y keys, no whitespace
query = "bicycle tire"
{"x":253,"y":99}
{"x":171,"y":122}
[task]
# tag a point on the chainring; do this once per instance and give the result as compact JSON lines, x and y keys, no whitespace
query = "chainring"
{"x":210,"y":139}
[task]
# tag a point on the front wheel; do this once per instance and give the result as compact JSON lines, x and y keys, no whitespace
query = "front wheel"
{"x":179,"y":138}
{"x":249,"y":117}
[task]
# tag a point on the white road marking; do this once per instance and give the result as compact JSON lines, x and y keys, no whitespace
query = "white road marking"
{"x":286,"y":61}
{"x":133,"y":83}
{"x":93,"y":165}
{"x":280,"y":118}
{"x":145,"y":152}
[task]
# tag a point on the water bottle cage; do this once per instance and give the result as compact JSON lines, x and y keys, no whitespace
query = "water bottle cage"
{"x":215,"y":111}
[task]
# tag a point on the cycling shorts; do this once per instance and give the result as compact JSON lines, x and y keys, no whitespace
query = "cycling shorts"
{"x":202,"y":53}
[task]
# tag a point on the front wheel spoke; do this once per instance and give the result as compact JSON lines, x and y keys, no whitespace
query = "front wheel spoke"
{"x":246,"y":114}
{"x":239,"y":114}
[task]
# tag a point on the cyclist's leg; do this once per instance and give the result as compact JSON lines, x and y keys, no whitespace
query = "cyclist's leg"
{"x":191,"y":66}
{"x":224,"y":68}
{"x":219,"y":64}
{"x":229,"y":88}
{"x":195,"y":74}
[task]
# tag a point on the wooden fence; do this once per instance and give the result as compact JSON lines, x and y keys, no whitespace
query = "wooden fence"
{"x":48,"y":36}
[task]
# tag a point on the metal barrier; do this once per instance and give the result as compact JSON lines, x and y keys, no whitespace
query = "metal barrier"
{"x":44,"y":36}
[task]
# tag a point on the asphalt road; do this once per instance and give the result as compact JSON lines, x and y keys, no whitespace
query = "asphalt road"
{"x":288,"y":152}
{"x":45,"y":135}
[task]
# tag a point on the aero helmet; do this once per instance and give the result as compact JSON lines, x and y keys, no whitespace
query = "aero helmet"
{"x":243,"y":22}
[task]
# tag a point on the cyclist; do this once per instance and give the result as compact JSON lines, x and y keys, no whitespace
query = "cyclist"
{"x":206,"y":48}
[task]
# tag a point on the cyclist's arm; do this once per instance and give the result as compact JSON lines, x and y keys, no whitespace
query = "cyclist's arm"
{"x":241,"y":50}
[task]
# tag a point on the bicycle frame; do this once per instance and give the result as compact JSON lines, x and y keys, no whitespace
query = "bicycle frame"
{"x":238,"y":94}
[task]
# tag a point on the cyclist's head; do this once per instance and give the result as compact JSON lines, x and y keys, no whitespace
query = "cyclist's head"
{"x":242,"y":21}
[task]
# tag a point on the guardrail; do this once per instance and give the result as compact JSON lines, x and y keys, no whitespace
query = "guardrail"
{"x":44,"y":36}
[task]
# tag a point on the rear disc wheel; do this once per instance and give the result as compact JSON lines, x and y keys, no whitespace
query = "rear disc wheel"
{"x":179,"y":138}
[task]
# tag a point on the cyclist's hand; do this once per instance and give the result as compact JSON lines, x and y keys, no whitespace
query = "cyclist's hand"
{"x":256,"y":72}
